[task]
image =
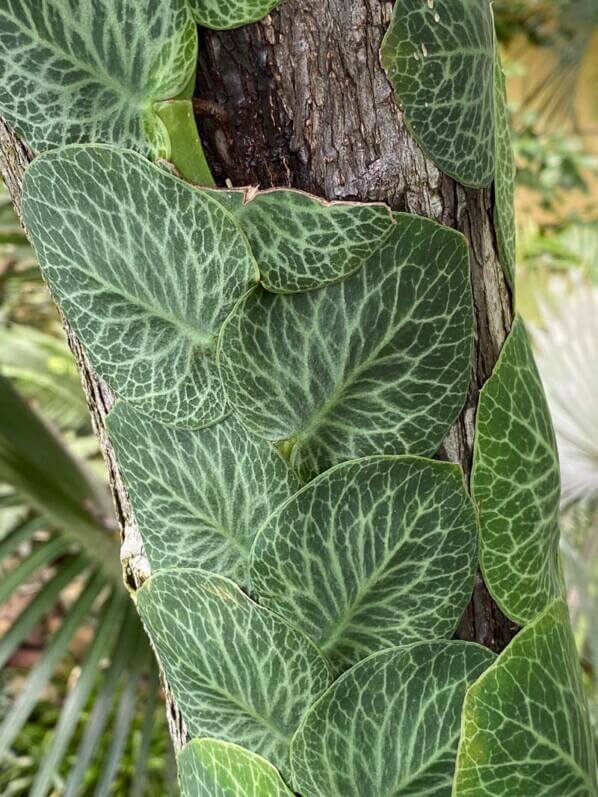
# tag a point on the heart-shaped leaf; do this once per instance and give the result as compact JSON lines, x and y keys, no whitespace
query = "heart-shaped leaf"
{"x":373,"y":553}
{"x":301,"y":242}
{"x":377,"y":363}
{"x":439,"y":56}
{"x":211,"y":768}
{"x":145,"y":268}
{"x":389,"y":726}
{"x":199,"y":496}
{"x":238,"y":672}
{"x":223,"y":14}
{"x":504,"y":207}
{"x":526,"y":729}
{"x":516,"y":484}
{"x":78,"y":72}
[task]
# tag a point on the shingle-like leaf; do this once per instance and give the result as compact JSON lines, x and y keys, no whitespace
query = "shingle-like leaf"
{"x":504,"y":210}
{"x":439,"y":56}
{"x":301,"y":242}
{"x":199,"y":496}
{"x":223,"y":14}
{"x":526,"y":729}
{"x":238,"y":672}
{"x":145,"y":268}
{"x":389,"y":726}
{"x":373,"y":553}
{"x":516,"y":485}
{"x":377,"y":363}
{"x":211,"y":768}
{"x":78,"y":71}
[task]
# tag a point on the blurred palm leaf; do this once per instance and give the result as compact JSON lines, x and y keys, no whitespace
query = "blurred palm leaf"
{"x":570,"y":32}
{"x":42,"y":368}
{"x":61,"y":563}
{"x":567,"y":351}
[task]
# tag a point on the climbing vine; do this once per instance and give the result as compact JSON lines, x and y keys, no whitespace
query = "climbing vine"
{"x":286,"y":370}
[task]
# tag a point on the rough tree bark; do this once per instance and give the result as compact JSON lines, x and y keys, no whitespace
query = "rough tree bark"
{"x":301,"y":100}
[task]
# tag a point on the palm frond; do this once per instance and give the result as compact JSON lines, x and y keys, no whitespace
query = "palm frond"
{"x":567,"y":348}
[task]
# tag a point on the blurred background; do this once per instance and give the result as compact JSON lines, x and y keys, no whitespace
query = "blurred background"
{"x":80,"y":705}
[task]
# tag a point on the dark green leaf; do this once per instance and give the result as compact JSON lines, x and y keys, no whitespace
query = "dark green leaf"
{"x":238,"y":672}
{"x":378,"y":363}
{"x":211,"y":768}
{"x":526,"y":729}
{"x":222,"y":14}
{"x":390,"y":725}
{"x":83,"y":71}
{"x":504,"y":209}
{"x":146,"y":268}
{"x":515,"y":483}
{"x":199,"y":496}
{"x":439,"y":56}
{"x":373,"y":553}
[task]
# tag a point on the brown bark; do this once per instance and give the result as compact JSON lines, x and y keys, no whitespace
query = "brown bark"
{"x":301,"y":100}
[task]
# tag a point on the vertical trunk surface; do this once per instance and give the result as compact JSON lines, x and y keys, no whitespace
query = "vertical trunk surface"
{"x":301,"y":100}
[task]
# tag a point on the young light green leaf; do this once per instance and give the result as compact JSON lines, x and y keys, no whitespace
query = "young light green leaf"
{"x":199,"y":496}
{"x":390,"y":725}
{"x":145,"y":268}
{"x":504,"y":208}
{"x":301,"y":242}
{"x":377,"y":363}
{"x":526,"y":728}
{"x":223,"y":14}
{"x":373,"y":553}
{"x":439,"y":56}
{"x":515,"y":483}
{"x":238,"y":672}
{"x":78,"y":71}
{"x":211,"y":768}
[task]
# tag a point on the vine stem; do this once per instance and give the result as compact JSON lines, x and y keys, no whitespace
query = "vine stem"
{"x":186,"y":150}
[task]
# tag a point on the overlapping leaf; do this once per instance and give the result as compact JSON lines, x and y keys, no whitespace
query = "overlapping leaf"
{"x":301,"y":242}
{"x":211,"y":768}
{"x":389,"y":726}
{"x":378,"y":363}
{"x":223,"y":14}
{"x":439,"y":56}
{"x":238,"y":672}
{"x":516,"y":484}
{"x":77,"y":71}
{"x":504,"y":211}
{"x":199,"y":496}
{"x":373,"y":553}
{"x":525,"y":722}
{"x":145,"y":268}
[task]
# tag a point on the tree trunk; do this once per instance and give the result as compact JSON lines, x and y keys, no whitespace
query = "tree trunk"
{"x":301,"y":100}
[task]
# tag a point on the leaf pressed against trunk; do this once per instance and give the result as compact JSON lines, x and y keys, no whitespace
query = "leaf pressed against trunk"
{"x":301,"y":242}
{"x":516,"y":484}
{"x":210,"y":768}
{"x":525,"y":724}
{"x":238,"y":671}
{"x":440,"y":58}
{"x":378,"y":363}
{"x":199,"y":496}
{"x":389,"y":726}
{"x":81,"y":71}
{"x":223,"y":14}
{"x":146,"y":268}
{"x":373,"y":553}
